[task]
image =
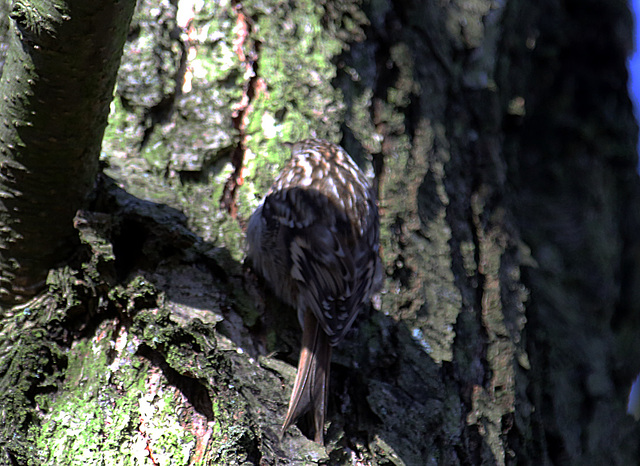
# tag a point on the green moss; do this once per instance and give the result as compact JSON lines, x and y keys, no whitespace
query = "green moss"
{"x":31,"y":365}
{"x":120,"y":401}
{"x":185,"y":158}
{"x":122,"y":398}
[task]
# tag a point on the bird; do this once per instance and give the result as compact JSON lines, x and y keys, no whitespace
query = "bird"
{"x":315,"y":240}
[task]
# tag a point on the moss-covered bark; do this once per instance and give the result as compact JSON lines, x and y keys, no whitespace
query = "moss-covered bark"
{"x":504,"y":331}
{"x":56,"y":87}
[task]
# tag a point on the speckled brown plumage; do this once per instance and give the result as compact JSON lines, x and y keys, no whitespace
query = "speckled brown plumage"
{"x":315,"y":240}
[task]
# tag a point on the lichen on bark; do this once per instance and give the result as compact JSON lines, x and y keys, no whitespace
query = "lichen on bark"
{"x":158,"y":338}
{"x":258,"y":75}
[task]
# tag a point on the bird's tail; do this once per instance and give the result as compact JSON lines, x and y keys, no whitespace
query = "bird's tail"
{"x":312,"y":380}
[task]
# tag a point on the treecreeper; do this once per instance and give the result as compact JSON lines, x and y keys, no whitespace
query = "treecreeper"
{"x":315,"y":240}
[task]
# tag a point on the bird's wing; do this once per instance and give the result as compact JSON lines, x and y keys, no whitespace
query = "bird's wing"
{"x":331,"y":264}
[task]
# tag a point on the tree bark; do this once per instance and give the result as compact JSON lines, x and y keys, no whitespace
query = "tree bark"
{"x":57,"y":84}
{"x":573,"y":163}
{"x":502,"y":142}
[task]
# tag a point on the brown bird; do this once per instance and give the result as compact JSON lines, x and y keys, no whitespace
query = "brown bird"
{"x":315,"y":238}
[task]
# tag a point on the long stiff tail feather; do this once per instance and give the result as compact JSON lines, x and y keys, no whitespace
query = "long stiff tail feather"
{"x":312,"y":379}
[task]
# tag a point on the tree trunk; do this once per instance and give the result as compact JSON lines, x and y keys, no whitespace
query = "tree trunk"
{"x":57,"y":84}
{"x":502,"y":142}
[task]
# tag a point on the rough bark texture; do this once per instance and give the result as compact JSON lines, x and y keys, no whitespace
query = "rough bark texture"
{"x":57,"y":84}
{"x":573,"y":163}
{"x":502,"y":141}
